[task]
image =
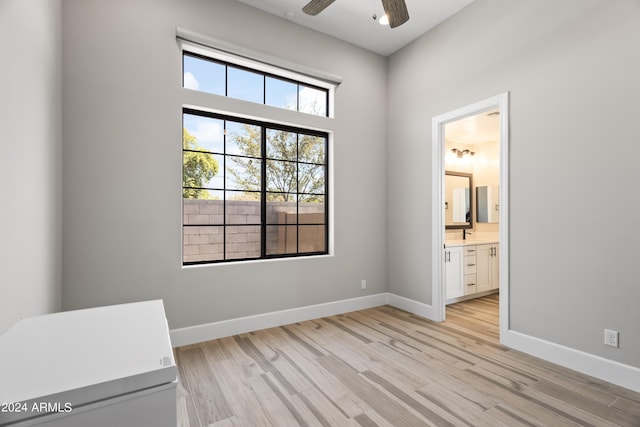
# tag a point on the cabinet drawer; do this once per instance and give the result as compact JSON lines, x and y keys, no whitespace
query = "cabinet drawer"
{"x":470,"y":265}
{"x":470,"y":286}
{"x":470,"y":250}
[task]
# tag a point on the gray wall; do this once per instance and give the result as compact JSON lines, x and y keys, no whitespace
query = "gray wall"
{"x":572,"y":70}
{"x":30,"y":159}
{"x":122,"y":142}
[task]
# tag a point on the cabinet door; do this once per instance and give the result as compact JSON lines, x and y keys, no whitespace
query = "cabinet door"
{"x":453,"y":272}
{"x":484,"y":269}
{"x":495,"y":267}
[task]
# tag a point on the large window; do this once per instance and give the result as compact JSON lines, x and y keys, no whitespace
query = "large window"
{"x":252,"y":189}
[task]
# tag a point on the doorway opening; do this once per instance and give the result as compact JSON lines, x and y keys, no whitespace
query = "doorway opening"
{"x":470,"y":205}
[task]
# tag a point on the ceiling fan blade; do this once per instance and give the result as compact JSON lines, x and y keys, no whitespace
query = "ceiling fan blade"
{"x":397,"y":12}
{"x":314,"y":7}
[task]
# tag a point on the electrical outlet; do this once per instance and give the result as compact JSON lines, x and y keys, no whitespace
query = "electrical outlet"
{"x":611,"y":338}
{"x":363,"y":284}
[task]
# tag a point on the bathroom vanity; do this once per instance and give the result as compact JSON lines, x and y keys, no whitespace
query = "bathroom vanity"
{"x":471,"y":269}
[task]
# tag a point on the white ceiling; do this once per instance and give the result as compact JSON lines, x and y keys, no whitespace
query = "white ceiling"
{"x":351,"y":20}
{"x":478,"y":129}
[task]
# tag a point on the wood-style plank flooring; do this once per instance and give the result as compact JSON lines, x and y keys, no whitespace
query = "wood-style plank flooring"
{"x":387,"y":367}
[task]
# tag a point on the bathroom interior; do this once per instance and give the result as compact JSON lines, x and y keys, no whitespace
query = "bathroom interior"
{"x":472,"y":206}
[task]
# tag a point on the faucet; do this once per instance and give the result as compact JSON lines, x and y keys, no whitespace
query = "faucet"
{"x":464,"y":233}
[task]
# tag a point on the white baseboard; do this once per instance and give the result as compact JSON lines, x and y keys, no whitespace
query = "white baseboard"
{"x":596,"y":366}
{"x":241,"y":325}
{"x":412,"y":306}
{"x":608,"y":370}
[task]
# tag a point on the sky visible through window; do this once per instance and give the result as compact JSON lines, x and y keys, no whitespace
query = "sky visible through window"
{"x":235,"y":82}
{"x":209,"y":136}
{"x":242,"y":145}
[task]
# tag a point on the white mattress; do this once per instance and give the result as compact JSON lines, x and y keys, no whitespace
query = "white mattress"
{"x":79,"y":357}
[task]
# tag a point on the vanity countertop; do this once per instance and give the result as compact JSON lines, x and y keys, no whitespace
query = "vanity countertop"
{"x":460,"y":242}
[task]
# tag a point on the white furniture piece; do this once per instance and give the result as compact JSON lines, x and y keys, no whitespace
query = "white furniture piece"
{"x":471,"y":269}
{"x":106,"y":366}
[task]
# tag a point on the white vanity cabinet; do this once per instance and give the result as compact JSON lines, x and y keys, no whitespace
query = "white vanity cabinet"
{"x":487,"y":271}
{"x":470,"y":269}
{"x":454,"y":271}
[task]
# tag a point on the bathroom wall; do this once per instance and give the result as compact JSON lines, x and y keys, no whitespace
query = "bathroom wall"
{"x":486,"y":172}
{"x":485,"y":168}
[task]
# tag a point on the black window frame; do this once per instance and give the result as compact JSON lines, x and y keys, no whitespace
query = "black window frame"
{"x":264,"y":224}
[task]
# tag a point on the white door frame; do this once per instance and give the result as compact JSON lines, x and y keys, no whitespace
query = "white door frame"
{"x":438,"y":297}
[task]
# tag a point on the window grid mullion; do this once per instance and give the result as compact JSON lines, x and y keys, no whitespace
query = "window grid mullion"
{"x":298,"y":191}
{"x":263,"y":192}
{"x":224,"y":185}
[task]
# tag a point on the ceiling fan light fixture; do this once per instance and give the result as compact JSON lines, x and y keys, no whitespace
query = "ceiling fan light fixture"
{"x":314,"y":7}
{"x":384,"y":20}
{"x":395,"y":10}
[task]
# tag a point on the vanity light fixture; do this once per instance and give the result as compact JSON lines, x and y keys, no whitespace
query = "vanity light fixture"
{"x":462,"y":153}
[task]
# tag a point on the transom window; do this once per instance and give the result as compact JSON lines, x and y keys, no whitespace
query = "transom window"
{"x":222,"y":78}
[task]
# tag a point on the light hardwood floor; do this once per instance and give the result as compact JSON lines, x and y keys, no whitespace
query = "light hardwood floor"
{"x":387,"y":367}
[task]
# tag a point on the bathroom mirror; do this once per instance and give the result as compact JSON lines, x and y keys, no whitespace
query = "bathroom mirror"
{"x":487,"y":204}
{"x":458,"y":200}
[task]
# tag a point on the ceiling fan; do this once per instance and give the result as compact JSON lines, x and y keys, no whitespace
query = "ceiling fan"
{"x":396,"y":10}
